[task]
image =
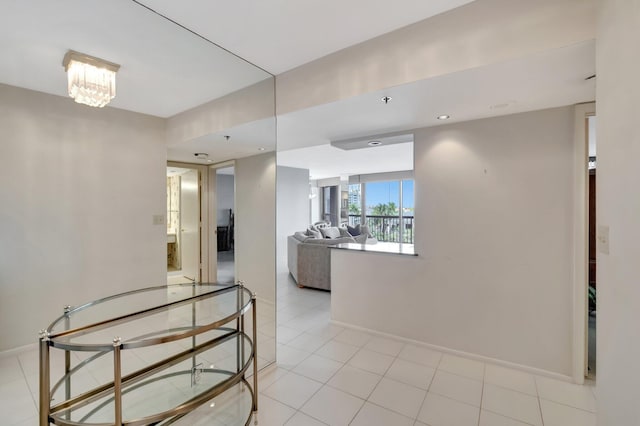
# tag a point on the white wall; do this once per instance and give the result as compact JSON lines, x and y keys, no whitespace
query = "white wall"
{"x":255,"y":223}
{"x":78,"y":189}
{"x":618,"y":207}
{"x":293,"y":207}
{"x":494,"y":237}
{"x":446,"y":43}
{"x":224,"y":198}
{"x":252,"y":103}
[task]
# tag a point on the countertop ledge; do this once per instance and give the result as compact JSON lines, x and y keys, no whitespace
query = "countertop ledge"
{"x":380,"y":247}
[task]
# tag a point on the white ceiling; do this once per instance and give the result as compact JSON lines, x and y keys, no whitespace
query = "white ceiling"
{"x":279,"y":35}
{"x":164,"y":68}
{"x":327,"y":161}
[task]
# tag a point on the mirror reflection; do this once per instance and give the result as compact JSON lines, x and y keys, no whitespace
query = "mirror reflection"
{"x":124,"y":196}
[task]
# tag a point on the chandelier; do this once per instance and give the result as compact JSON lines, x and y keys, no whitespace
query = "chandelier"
{"x":91,"y":81}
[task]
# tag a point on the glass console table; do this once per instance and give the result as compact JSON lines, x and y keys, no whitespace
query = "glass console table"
{"x":151,"y":356}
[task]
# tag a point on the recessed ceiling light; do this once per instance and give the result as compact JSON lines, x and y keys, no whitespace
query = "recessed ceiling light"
{"x":374,"y":143}
{"x":261,"y":149}
{"x":443,"y":117}
{"x":209,"y":161}
{"x":201,"y":155}
{"x":386,"y":99}
{"x":227,"y":137}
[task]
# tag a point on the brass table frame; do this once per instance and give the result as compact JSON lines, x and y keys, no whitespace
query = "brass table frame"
{"x":59,"y":414}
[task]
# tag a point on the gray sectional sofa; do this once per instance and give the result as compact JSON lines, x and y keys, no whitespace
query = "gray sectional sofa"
{"x":309,"y":257}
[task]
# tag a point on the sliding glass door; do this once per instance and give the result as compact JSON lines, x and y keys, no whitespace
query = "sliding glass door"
{"x":387,"y":207}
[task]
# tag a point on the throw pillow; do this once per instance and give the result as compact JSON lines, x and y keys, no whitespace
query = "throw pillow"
{"x":354,"y":230}
{"x":364,"y":229}
{"x":361,"y":239}
{"x":313,"y":233}
{"x":330,"y":232}
{"x":344,"y":232}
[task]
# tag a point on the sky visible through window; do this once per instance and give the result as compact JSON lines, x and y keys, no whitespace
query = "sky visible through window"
{"x":386,"y":192}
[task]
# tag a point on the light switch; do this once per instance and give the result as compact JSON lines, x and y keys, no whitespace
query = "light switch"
{"x":158,"y":219}
{"x":603,"y":239}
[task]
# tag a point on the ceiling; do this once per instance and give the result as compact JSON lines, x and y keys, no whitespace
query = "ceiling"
{"x":327,"y":161}
{"x":279,"y":35}
{"x":164,"y":68}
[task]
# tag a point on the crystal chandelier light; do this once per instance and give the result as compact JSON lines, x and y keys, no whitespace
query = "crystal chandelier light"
{"x":91,"y":81}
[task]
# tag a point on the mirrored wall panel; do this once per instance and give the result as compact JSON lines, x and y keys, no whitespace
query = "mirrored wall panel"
{"x":127,"y":194}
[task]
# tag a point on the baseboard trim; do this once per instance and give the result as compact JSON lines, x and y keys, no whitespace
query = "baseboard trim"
{"x":469,"y":355}
{"x":18,"y":351}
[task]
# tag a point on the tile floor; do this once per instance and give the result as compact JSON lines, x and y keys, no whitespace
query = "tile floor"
{"x":330,"y":375}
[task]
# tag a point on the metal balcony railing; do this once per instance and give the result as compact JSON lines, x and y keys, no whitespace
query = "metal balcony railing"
{"x":387,"y":228}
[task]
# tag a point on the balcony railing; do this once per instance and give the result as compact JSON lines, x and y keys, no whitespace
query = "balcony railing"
{"x":387,"y":228}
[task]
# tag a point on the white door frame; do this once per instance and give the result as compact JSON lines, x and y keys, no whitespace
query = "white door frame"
{"x":581,"y":240}
{"x":213,"y":218}
{"x":204,"y":212}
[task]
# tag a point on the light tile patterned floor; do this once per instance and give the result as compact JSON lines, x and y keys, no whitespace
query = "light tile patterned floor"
{"x":329,"y":375}
{"x":371,"y":380}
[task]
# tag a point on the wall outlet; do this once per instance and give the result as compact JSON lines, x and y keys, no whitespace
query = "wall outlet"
{"x":158,"y":219}
{"x":603,"y":239}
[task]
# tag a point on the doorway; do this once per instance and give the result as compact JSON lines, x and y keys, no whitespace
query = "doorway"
{"x":183,"y":225}
{"x":592,"y":299}
{"x":225,"y":223}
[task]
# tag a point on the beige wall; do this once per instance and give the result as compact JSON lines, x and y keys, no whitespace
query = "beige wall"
{"x":255,"y":223}
{"x":494,"y":236}
{"x":293,"y":208}
{"x":79,"y":187}
{"x":252,"y":103}
{"x":479,"y":33}
{"x":618,"y":208}
{"x":255,"y":241}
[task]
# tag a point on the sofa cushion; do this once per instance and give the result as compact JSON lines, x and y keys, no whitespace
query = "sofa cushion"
{"x":301,"y":236}
{"x":314,"y":233}
{"x":359,"y":229}
{"x":344,"y":232}
{"x":330,"y":232}
{"x":361,"y":239}
{"x":364,"y":229}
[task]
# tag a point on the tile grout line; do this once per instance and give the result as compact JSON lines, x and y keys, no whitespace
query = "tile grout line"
{"x":435,"y":370}
{"x":24,"y":377}
{"x":509,"y":417}
{"x":535,"y":382}
{"x":323,"y":384}
{"x":346,"y":363}
{"x":484,"y":376}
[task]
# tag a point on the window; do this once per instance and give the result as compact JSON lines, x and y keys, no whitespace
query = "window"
{"x":387,"y":207}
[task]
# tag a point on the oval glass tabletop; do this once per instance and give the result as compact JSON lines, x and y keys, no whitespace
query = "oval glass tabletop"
{"x":149,"y":316}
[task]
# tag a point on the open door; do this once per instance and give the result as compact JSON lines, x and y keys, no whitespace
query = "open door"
{"x":183,"y":225}
{"x":190,"y":225}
